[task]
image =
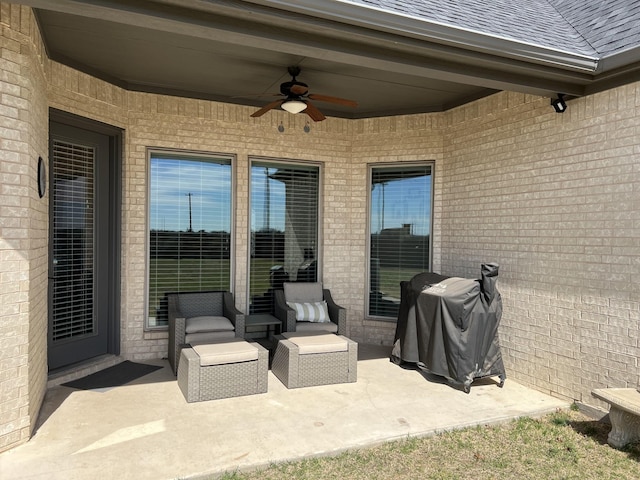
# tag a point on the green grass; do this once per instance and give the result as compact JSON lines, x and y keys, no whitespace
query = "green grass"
{"x":213,"y":274}
{"x":172,"y":275}
{"x":564,"y":445}
{"x":390,"y":279}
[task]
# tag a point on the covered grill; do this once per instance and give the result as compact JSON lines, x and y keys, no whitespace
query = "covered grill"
{"x":448,"y":326}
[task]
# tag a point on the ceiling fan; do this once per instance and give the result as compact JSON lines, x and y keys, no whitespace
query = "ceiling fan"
{"x":298,"y":99}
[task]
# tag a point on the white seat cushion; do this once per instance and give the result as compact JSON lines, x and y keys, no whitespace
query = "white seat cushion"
{"x":231,"y":351}
{"x":207,"y":324}
{"x":317,"y":342}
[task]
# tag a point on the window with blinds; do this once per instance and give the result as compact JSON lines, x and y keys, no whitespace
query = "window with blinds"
{"x":400,"y":209}
{"x":190,"y":210}
{"x":73,"y":245}
{"x":284,"y":229}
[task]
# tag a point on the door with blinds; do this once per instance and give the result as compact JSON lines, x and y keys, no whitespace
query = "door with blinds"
{"x":81,"y":307}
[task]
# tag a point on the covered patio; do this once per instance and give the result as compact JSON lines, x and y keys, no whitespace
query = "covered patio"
{"x":146,"y":430}
{"x":526,"y":123}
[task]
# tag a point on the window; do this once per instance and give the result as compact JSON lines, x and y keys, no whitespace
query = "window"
{"x":284,"y":229}
{"x":400,"y":227}
{"x":190,"y":212}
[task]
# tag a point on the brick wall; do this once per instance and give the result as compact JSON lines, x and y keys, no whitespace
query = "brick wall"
{"x":554,"y":199}
{"x":212,"y":127}
{"x":23,"y":226}
{"x":550,"y":197}
{"x":387,"y":140}
{"x":187,"y":124}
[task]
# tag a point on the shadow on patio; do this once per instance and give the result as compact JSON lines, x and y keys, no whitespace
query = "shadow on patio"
{"x":146,"y":429}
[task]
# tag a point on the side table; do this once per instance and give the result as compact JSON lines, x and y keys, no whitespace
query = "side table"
{"x":274,"y":326}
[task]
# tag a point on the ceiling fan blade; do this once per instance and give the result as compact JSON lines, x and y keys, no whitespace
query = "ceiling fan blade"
{"x":327,"y":98}
{"x":315,"y":114}
{"x":254,"y":95}
{"x":298,"y":89}
{"x":266,"y":108}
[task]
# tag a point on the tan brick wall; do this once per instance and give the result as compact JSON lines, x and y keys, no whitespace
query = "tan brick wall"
{"x":554,"y":199}
{"x":23,"y":226}
{"x":386,"y":140}
{"x":177,"y":123}
{"x":550,"y":197}
{"x":169,"y":122}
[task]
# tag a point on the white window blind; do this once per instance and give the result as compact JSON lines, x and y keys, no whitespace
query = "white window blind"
{"x":400,"y":227}
{"x":284,"y":229}
{"x":73,"y":247}
{"x":189,"y":227}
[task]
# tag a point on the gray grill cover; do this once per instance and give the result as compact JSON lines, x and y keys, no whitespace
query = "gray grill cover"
{"x":449,"y":326}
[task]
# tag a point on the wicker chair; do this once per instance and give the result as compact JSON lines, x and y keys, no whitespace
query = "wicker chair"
{"x":304,"y":293}
{"x":199,"y":318}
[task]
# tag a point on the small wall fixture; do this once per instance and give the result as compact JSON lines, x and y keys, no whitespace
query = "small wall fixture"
{"x":559,"y":105}
{"x":42,"y":178}
{"x":294,"y":106}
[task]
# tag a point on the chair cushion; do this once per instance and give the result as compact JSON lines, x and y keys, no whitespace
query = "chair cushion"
{"x":317,"y":342}
{"x":207,"y":323}
{"x":303,"y":292}
{"x":311,"y":311}
{"x":208,"y":337}
{"x":231,"y":351}
{"x":194,"y":304}
{"x":323,"y":327}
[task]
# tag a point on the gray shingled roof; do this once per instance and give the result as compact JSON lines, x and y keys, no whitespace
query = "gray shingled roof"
{"x":610,"y":26}
{"x":593,"y":28}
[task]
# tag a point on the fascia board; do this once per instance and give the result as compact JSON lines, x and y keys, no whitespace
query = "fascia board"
{"x":336,"y":12}
{"x":227,"y":21}
{"x":407,"y":26}
{"x":618,"y":60}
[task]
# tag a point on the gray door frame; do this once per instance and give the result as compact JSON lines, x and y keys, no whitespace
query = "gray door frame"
{"x":109,"y":230}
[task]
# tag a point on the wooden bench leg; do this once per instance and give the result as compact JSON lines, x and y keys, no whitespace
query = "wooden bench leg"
{"x":625,"y":428}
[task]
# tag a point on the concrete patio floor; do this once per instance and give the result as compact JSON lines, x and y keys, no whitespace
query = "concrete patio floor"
{"x":146,"y":429}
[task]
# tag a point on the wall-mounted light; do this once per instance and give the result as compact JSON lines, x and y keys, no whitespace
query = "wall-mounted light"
{"x":294,"y":106}
{"x":281,"y":127}
{"x":307,"y":128}
{"x":558,"y":104}
{"x":42,"y":178}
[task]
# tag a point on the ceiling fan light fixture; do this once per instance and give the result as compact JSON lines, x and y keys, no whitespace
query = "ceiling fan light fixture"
{"x":294,"y":106}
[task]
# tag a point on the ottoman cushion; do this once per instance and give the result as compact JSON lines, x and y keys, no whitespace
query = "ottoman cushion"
{"x":229,"y":351}
{"x":317,"y":342}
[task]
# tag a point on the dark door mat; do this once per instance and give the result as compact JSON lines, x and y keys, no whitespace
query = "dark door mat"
{"x":115,"y":376}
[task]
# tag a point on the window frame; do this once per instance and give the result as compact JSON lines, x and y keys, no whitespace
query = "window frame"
{"x":176,"y":152}
{"x":370,"y":169}
{"x":252,"y":159}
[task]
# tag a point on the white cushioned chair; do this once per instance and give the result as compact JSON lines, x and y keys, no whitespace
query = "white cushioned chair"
{"x":197,"y":318}
{"x":307,"y":307}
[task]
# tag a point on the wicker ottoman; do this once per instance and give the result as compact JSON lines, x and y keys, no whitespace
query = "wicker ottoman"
{"x":229,"y":368}
{"x":309,"y":359}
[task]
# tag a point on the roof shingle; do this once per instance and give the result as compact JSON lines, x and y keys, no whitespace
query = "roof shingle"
{"x":593,"y":28}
